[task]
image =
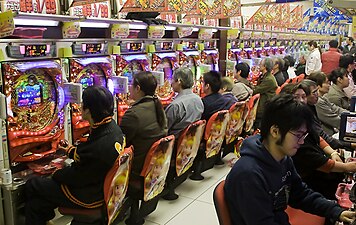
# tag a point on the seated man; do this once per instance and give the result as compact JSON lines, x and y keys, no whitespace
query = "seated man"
{"x":81,"y":184}
{"x":213,"y":101}
{"x":226,"y":87}
{"x":264,"y":181}
{"x":187,"y":107}
{"x":242,"y":88}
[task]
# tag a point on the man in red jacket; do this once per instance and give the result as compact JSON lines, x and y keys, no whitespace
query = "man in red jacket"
{"x":330,"y":59}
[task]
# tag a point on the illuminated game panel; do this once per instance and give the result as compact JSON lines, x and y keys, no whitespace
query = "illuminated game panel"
{"x":35,"y":121}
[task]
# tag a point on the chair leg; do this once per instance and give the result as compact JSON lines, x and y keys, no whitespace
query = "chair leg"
{"x":219,"y":161}
{"x":135,"y":218}
{"x":197,"y":172}
{"x":170,"y":195}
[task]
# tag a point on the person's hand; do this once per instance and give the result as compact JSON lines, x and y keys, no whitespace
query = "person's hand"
{"x":63,"y":145}
{"x":336,"y":158}
{"x":351,"y":166}
{"x":347,"y":216}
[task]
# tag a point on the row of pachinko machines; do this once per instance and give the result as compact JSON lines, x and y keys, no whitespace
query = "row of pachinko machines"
{"x":40,"y":101}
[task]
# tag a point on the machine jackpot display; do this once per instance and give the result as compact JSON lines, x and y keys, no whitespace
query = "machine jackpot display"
{"x":165,"y":60}
{"x":210,"y":54}
{"x":233,"y":55}
{"x":89,"y":65}
{"x":32,"y":84}
{"x":133,"y":59}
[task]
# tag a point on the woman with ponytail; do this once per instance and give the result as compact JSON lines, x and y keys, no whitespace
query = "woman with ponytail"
{"x":313,"y":63}
{"x":145,"y":122}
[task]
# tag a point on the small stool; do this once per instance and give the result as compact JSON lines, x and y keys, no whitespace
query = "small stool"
{"x":84,"y":216}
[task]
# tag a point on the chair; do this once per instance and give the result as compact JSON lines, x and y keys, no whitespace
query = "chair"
{"x":221,"y":208}
{"x":251,"y":117}
{"x":115,"y":201}
{"x":149,"y":184}
{"x":210,"y":148}
{"x":299,"y":217}
{"x":300,"y":77}
{"x":186,"y":151}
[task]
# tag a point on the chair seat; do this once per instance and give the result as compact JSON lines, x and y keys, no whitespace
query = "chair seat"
{"x":96,"y":212}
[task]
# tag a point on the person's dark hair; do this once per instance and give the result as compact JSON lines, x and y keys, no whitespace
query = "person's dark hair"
{"x":333,"y":43}
{"x":280,"y":63}
{"x":213,"y":78}
{"x":305,"y":85}
{"x":99,"y":101}
{"x":244,"y":68}
{"x":287,"y":114}
{"x":268,"y":64}
{"x":346,"y":60}
{"x":148,"y":85}
{"x":318,"y":77}
{"x":286,"y":65}
{"x":290,"y":59}
{"x":185,"y":75}
{"x":351,"y":39}
{"x":287,"y":89}
{"x":313,"y":43}
{"x":337,"y":73}
{"x":227,"y":83}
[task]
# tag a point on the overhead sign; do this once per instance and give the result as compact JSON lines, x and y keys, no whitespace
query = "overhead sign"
{"x":31,"y":6}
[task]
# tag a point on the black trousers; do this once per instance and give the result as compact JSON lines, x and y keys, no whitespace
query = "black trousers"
{"x":43,"y":195}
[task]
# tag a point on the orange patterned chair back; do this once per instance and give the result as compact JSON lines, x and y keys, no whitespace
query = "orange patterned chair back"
{"x":238,"y":114}
{"x":188,"y":146}
{"x":251,"y":117}
{"x":215,"y":132}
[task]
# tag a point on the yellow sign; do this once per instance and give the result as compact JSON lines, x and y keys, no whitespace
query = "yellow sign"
{"x":156,"y":31}
{"x":120,"y":30}
{"x":7,"y":25}
{"x":71,"y":29}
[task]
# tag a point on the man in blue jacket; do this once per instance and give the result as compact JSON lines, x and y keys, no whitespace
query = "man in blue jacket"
{"x":264,"y":181}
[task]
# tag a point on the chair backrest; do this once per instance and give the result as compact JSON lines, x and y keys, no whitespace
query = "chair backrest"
{"x":188,"y":145}
{"x":299,"y":217}
{"x":156,"y":166}
{"x":221,"y":207}
{"x":215,"y":132}
{"x":300,"y":77}
{"x":238,"y":114}
{"x":117,"y":181}
{"x":252,"y":105}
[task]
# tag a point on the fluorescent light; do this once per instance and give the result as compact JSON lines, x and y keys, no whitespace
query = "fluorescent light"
{"x":29,"y":22}
{"x":94,"y":24}
{"x":138,"y":26}
{"x":195,"y":29}
{"x":170,"y":28}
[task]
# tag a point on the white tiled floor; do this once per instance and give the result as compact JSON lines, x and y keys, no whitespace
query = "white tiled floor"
{"x":194,"y":205}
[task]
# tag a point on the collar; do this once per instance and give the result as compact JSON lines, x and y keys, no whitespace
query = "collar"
{"x":143,"y":99}
{"x":333,"y":49}
{"x":184,"y":92}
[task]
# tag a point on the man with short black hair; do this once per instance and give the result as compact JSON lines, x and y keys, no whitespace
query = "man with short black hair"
{"x":264,"y":181}
{"x":242,"y":88}
{"x":348,"y":62}
{"x":213,"y":101}
{"x":330,"y":59}
{"x":350,"y":48}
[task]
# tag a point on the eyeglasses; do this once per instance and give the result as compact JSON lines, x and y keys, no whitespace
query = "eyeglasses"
{"x":315,"y":91}
{"x":299,"y":136}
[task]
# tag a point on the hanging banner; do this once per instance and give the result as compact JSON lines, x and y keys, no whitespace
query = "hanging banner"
{"x":32,"y":6}
{"x":259,"y":16}
{"x":296,"y":17}
{"x":7,"y":24}
{"x":285,"y":16}
{"x":145,"y":6}
{"x":101,"y":9}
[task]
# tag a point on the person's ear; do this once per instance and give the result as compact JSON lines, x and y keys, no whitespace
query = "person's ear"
{"x":274,"y":131}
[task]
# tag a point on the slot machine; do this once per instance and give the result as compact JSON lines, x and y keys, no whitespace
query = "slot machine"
{"x":210,"y":55}
{"x":133,"y":59}
{"x":32,"y":84}
{"x":165,"y":60}
{"x":88,"y":65}
{"x":232,"y":58}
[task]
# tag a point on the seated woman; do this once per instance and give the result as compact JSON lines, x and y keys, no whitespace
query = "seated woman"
{"x":81,"y":184}
{"x":145,"y":122}
{"x":337,"y":95}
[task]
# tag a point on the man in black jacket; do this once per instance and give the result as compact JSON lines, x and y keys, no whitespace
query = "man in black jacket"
{"x":81,"y":184}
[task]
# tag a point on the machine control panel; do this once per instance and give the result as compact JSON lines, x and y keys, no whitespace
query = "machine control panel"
{"x":19,"y":51}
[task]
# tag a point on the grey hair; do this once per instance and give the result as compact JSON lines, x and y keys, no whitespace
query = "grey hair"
{"x":185,"y":75}
{"x":268,"y":63}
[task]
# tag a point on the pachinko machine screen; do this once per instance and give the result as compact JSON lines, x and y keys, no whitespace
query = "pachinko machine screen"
{"x":35,"y":102}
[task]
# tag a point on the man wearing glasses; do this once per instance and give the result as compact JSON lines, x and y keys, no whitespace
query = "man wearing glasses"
{"x":264,"y":181}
